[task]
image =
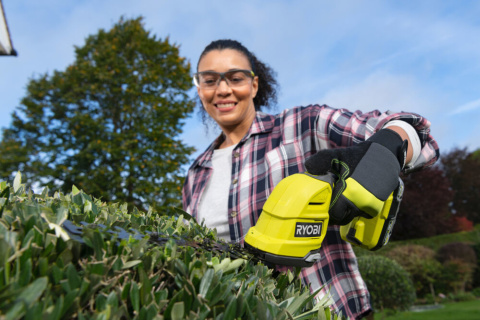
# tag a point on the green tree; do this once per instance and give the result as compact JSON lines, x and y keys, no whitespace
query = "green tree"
{"x":462,"y":168}
{"x":109,"y":123}
{"x":424,"y":211}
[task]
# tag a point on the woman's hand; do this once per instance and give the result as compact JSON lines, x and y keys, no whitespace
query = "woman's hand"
{"x":367,"y":174}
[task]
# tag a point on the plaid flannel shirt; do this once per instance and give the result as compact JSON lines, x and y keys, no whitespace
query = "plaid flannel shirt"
{"x":276,"y":146}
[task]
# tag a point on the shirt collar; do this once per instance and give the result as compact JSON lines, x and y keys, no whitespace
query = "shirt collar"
{"x":262,"y":123}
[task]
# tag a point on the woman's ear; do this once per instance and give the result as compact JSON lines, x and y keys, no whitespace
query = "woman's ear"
{"x":198,"y":92}
{"x":200,"y":97}
{"x":255,"y":86}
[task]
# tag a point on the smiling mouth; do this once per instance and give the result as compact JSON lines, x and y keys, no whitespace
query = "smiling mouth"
{"x":225,"y":105}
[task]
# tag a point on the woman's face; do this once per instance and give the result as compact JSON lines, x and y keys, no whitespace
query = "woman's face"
{"x":231,"y":108}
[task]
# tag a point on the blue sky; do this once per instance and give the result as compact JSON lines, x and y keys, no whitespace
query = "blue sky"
{"x":419,"y":56}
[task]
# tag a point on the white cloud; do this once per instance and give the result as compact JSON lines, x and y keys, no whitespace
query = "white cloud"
{"x":469,"y":106}
{"x":381,"y":90}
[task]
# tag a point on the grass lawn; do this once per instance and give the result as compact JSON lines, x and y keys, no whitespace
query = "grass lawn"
{"x":468,"y":310}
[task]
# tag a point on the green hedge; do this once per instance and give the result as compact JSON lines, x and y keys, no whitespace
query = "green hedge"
{"x":389,"y":284}
{"x":167,"y":268}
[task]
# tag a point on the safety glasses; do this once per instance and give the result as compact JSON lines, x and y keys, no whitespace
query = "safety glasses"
{"x":209,"y":80}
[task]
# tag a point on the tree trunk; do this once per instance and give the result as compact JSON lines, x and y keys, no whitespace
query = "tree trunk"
{"x":432,"y":291}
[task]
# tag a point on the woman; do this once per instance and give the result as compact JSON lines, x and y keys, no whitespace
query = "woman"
{"x":228,"y":184}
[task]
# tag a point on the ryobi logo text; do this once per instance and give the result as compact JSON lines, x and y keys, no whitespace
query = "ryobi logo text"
{"x":308,"y":229}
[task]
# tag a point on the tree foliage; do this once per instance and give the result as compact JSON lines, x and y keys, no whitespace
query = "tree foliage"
{"x":424,"y":211}
{"x":109,"y":123}
{"x":463,"y":170}
{"x":441,"y":199}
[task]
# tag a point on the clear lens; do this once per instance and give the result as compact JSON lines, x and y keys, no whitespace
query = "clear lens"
{"x":236,"y":78}
{"x":211,"y":79}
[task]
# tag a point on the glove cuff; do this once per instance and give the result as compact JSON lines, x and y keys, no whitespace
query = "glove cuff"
{"x":393,"y":142}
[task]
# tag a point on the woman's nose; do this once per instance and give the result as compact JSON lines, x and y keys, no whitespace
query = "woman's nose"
{"x":223,"y":87}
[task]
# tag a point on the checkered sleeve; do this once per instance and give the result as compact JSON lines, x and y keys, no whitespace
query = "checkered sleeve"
{"x":343,"y":128}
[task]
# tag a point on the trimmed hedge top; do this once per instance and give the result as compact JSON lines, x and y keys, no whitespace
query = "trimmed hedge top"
{"x":129,"y":265}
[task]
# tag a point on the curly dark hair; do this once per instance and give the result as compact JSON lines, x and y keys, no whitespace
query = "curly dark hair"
{"x":267,"y":84}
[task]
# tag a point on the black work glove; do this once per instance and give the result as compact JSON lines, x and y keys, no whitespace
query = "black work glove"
{"x":367,"y":174}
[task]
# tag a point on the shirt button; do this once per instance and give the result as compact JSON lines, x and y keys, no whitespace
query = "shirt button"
{"x":235,"y":181}
{"x":233,"y":214}
{"x":236,"y":154}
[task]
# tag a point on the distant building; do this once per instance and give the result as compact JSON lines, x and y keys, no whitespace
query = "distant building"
{"x":6,"y":47}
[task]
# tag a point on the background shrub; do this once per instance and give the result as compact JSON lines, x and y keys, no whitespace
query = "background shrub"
{"x":389,"y":284}
{"x":476,"y":292}
{"x":419,"y":261}
{"x":476,"y":273}
{"x":457,"y":250}
{"x":459,"y":261}
{"x":456,"y":276}
{"x":462,"y":296}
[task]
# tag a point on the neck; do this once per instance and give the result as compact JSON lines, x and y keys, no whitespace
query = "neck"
{"x":234,"y":134}
{"x":231,"y":138}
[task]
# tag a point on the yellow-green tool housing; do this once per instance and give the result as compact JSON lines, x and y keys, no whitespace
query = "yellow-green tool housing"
{"x":294,"y":221}
{"x":374,"y":233}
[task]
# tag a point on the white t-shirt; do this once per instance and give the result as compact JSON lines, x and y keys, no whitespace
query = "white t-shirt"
{"x":214,"y":203}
